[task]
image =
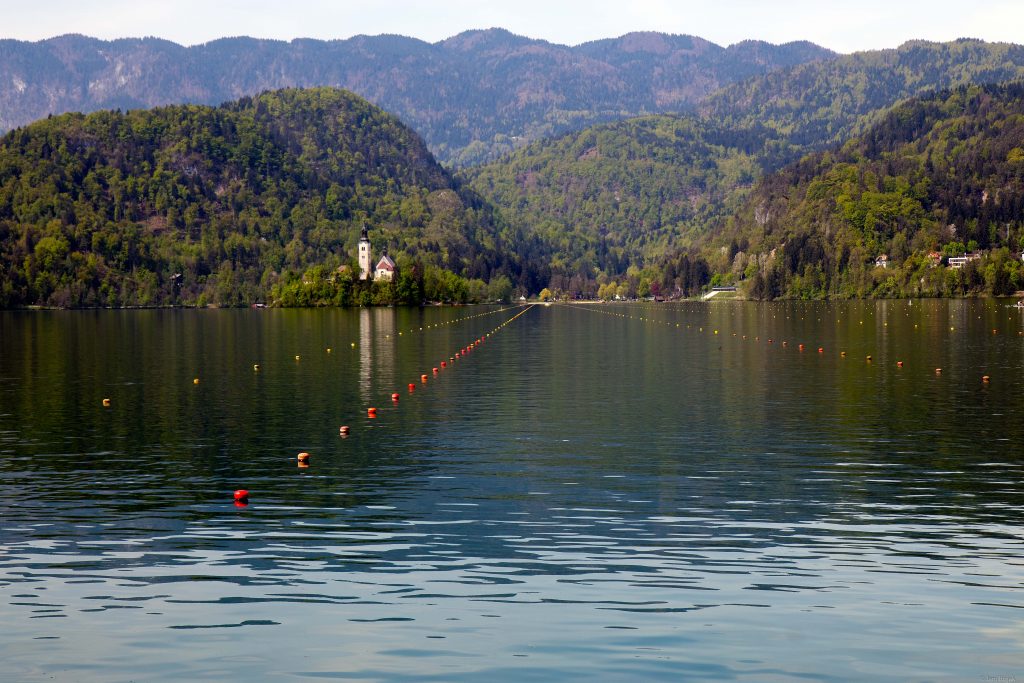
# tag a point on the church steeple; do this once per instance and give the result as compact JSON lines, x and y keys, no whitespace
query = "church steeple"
{"x":365,"y":262}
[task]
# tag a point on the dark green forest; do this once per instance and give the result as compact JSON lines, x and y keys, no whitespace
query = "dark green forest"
{"x":793,"y":183}
{"x":934,"y":178}
{"x":198,"y":205}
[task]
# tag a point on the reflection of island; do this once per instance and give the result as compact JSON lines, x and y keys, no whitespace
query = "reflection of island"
{"x":377,"y":338}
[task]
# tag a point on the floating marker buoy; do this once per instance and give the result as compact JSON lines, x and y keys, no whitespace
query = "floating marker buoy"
{"x":353,"y":345}
{"x":984,"y":378}
{"x":241,"y":495}
{"x":444,"y":364}
{"x":423,"y":378}
{"x":394,"y":397}
{"x":868,"y":359}
{"x":106,"y":402}
{"x":412,"y":387}
{"x":435,"y":371}
{"x":195,"y":381}
{"x":821,"y":349}
{"x":256,"y":367}
{"x":303,"y":457}
{"x":343,"y":430}
{"x":371,"y":412}
{"x":297,"y":357}
{"x":801,"y":347}
{"x":842,"y":354}
{"x":899,"y":364}
{"x":938,"y":371}
{"x":328,"y":349}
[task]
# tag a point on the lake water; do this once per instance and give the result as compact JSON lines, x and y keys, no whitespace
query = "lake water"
{"x":611,"y":493}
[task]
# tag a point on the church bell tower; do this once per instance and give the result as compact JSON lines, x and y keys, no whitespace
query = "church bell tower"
{"x":365,"y":264}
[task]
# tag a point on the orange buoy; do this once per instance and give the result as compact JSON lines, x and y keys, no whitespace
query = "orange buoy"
{"x":821,"y":349}
{"x":343,"y":430}
{"x":842,"y":354}
{"x":242,"y":495}
{"x":303,"y":457}
{"x":938,"y":371}
{"x":371,"y":412}
{"x":394,"y":396}
{"x":801,"y":346}
{"x":423,"y":378}
{"x":106,"y":402}
{"x":195,"y":381}
{"x":984,"y":378}
{"x":899,"y":364}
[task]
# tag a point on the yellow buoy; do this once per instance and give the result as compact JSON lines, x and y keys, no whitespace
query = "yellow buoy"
{"x":195,"y":381}
{"x":106,"y":402}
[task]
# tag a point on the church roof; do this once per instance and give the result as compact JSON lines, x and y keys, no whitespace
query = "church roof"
{"x":386,"y":263}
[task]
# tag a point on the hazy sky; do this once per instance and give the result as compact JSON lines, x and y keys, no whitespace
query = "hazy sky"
{"x":845,"y":26}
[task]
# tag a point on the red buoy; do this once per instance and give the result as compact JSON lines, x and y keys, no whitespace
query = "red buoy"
{"x":821,"y":349}
{"x":394,"y":396}
{"x":899,"y":364}
{"x":343,"y":430}
{"x":435,"y":371}
{"x":371,"y":412}
{"x":242,"y":495}
{"x":444,"y":364}
{"x":412,"y":387}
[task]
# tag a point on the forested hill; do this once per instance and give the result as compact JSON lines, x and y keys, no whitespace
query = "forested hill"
{"x":472,"y":97}
{"x":939,"y":175}
{"x":622,"y":194}
{"x":817,"y":104}
{"x":630,"y":193}
{"x":105,"y":208}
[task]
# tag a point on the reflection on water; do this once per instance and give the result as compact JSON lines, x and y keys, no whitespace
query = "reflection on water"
{"x":583,"y":496}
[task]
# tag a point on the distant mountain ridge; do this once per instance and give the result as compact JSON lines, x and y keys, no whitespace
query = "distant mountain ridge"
{"x":472,"y":97}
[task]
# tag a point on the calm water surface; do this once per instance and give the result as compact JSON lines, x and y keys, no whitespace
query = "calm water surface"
{"x":594,"y":493}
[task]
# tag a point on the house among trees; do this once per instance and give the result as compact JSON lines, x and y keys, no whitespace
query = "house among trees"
{"x":956,"y":262}
{"x":386,"y":268}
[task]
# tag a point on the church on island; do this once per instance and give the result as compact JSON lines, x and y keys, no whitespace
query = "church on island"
{"x":385,"y":268}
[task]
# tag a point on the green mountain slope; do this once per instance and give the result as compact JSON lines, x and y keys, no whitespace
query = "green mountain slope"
{"x":943,"y":174}
{"x":624,"y":193}
{"x":816,"y":104}
{"x":105,"y":209}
